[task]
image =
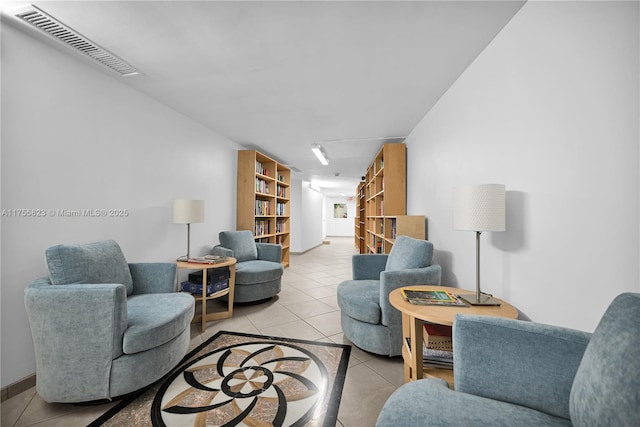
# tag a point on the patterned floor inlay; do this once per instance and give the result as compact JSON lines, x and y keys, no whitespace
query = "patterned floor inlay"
{"x":237,"y":379}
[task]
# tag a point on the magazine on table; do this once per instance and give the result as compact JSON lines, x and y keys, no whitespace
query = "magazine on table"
{"x":209,"y":259}
{"x":429,"y":297}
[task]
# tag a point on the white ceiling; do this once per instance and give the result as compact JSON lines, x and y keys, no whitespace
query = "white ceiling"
{"x":278,"y":76}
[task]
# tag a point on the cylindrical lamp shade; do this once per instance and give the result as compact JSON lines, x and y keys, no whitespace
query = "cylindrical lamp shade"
{"x":479,"y":207}
{"x":188,"y":211}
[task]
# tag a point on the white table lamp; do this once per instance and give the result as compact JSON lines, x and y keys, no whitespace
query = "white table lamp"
{"x":479,"y":208}
{"x":188,"y":212}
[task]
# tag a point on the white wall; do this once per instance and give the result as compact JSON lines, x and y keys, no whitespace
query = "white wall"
{"x":550,"y":109}
{"x":306,"y":216}
{"x":76,"y":138}
{"x":340,"y":226}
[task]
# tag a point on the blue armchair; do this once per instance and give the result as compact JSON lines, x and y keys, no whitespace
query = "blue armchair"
{"x":258,"y":270}
{"x":368,"y":319}
{"x":516,"y":373}
{"x":104,"y":328}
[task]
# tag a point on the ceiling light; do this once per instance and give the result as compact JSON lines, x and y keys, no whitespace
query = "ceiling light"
{"x":317,"y":150}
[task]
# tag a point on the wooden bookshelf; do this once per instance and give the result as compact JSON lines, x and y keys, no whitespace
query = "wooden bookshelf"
{"x":263,"y":201}
{"x":382,"y":198}
{"x":360,"y":218}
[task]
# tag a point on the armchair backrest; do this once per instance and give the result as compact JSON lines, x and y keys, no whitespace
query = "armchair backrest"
{"x":241,"y":243}
{"x":408,"y":252}
{"x":99,"y":262}
{"x":606,"y":386}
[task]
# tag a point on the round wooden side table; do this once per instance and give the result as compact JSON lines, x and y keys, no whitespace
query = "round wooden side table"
{"x":413,"y":317}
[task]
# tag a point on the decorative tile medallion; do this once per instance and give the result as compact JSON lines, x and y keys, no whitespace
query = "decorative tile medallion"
{"x":245,"y":380}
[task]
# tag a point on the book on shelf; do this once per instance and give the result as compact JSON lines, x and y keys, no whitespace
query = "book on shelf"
{"x":208,"y":259}
{"x":419,"y":296}
{"x":212,"y":289}
{"x":214,"y":275}
{"x":434,"y":358}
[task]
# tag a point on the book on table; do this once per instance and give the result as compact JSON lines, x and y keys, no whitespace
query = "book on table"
{"x":208,"y":259}
{"x":429,"y":297}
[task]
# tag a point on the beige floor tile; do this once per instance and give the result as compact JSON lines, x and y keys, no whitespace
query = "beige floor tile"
{"x":389,"y":368}
{"x":275,"y":314}
{"x":330,"y":300}
{"x":306,"y":284}
{"x":306,"y":309}
{"x":291,"y":296}
{"x":328,"y":324}
{"x":58,"y":414}
{"x":363,"y":396}
{"x":298,"y":329}
{"x":320,"y":292}
{"x":13,"y":408}
{"x":357,"y":355}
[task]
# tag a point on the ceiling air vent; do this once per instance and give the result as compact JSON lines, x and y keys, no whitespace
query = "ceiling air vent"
{"x":56,"y":29}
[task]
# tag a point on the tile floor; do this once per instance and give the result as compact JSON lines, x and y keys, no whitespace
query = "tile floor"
{"x":305,"y":309}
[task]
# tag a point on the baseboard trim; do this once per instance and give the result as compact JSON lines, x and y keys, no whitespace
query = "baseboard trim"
{"x":310,"y":249}
{"x":18,"y":387}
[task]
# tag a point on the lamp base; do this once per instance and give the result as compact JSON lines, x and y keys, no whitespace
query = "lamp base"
{"x":484,"y":299}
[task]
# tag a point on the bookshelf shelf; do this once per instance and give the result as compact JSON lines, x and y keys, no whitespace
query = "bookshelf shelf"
{"x":263,"y":200}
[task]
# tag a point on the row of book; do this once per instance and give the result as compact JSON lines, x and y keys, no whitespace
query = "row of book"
{"x":280,"y":226}
{"x":261,"y":169}
{"x":281,"y":191}
{"x":262,"y":186}
{"x":437,"y":350}
{"x":261,"y":227}
{"x":217,"y":282}
{"x":263,"y":207}
{"x":281,"y":209}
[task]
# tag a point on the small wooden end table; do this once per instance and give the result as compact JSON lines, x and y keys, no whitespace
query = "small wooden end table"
{"x":413,"y":317}
{"x":204,"y":317}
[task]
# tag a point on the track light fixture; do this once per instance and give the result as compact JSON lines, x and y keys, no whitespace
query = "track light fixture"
{"x":317,"y":150}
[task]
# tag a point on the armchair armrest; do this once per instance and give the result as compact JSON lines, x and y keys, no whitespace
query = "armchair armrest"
{"x":221,"y":251}
{"x":525,"y":363}
{"x":394,"y":279}
{"x":269,"y":252}
{"x":64,"y":343}
{"x":153,"y":277}
{"x":368,"y":266}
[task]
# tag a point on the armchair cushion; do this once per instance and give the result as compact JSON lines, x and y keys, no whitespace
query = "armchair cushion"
{"x":242,"y":244}
{"x":368,"y":266}
{"x":431,"y":402}
{"x":100,"y":262}
{"x":257,"y":271}
{"x":518,"y":361}
{"x":359,"y":299}
{"x":407,"y":253}
{"x":155,"y":319}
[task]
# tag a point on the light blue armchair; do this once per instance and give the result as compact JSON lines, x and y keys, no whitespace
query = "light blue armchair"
{"x":258,"y":270}
{"x":103,"y":328}
{"x":368,"y":319}
{"x":516,"y":373}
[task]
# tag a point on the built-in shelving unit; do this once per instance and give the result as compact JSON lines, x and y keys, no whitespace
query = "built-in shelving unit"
{"x":263,"y":204}
{"x":360,"y":218}
{"x":381,"y":203}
